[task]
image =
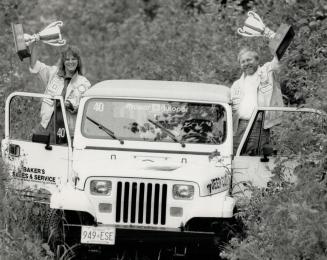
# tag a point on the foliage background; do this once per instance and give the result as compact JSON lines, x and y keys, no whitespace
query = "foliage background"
{"x":194,"y":40}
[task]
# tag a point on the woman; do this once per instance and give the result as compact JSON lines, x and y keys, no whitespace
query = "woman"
{"x":66,"y":79}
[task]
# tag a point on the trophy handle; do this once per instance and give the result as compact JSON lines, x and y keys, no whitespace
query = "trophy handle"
{"x":245,"y":33}
{"x":53,"y":24}
{"x":255,"y":16}
{"x":60,"y":42}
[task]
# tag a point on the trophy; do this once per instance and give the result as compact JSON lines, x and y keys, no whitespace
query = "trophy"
{"x":50,"y":35}
{"x":278,"y":41}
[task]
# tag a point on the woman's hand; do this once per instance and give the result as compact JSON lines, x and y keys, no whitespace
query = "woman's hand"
{"x":69,"y":107}
{"x":34,"y":53}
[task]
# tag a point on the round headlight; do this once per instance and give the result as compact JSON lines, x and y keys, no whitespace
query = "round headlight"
{"x":183,"y":191}
{"x":100,"y":187}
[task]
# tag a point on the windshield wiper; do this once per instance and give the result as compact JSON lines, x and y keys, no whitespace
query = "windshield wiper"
{"x":105,"y":129}
{"x":170,"y":134}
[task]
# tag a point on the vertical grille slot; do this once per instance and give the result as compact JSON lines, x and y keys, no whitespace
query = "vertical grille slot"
{"x":148,"y":203}
{"x":133,"y":203}
{"x":156,"y":204}
{"x":126,"y":202}
{"x":142,"y":203}
{"x":163,"y":204}
{"x":118,"y":201}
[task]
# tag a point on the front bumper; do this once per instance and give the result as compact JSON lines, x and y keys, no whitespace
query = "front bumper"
{"x":148,"y":236}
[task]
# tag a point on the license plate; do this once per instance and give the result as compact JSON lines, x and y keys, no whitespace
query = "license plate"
{"x":98,"y":235}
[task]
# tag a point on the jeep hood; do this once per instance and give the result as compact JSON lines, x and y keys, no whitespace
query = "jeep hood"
{"x":197,"y":171}
{"x":146,"y":169}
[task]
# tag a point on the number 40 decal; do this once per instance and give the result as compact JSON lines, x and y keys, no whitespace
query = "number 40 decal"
{"x":61,"y":132}
{"x":98,"y":107}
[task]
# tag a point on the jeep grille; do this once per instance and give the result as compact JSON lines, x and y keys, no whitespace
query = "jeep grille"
{"x":142,"y":203}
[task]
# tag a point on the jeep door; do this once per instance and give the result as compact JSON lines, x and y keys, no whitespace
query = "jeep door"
{"x":263,"y":154}
{"x":37,"y":158}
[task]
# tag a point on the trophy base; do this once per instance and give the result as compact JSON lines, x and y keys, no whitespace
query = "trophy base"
{"x":281,"y":40}
{"x":20,"y":46}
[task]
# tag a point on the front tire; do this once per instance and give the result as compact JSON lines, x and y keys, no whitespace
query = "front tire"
{"x":54,"y":233}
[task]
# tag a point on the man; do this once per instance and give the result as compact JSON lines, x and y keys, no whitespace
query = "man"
{"x":258,"y":86}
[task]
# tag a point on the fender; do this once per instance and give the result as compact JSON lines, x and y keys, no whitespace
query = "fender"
{"x":228,"y":207}
{"x":65,"y":199}
{"x":218,"y":205}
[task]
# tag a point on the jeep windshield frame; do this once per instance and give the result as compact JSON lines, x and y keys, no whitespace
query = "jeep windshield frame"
{"x":130,"y":120}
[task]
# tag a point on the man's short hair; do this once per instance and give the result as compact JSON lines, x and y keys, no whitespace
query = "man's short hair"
{"x":245,"y":50}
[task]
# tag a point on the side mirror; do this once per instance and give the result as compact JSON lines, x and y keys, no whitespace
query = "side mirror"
{"x":43,"y":139}
{"x":267,"y":150}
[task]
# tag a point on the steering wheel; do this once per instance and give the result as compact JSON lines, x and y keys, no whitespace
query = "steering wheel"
{"x":202,"y":138}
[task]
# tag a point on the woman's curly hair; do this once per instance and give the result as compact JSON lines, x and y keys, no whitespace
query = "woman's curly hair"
{"x":75,"y":51}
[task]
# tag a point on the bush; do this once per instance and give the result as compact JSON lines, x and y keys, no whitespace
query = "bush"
{"x":20,"y":226}
{"x":289,"y":221}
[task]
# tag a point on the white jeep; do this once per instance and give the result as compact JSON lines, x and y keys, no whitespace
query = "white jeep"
{"x":150,"y":165}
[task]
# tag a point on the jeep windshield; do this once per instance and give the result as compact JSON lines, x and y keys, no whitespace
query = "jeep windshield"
{"x":155,"y":121}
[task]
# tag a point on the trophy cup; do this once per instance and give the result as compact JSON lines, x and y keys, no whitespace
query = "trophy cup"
{"x":50,"y":35}
{"x":278,"y":41}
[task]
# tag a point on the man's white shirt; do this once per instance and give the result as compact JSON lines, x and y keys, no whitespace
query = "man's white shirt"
{"x":249,"y":98}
